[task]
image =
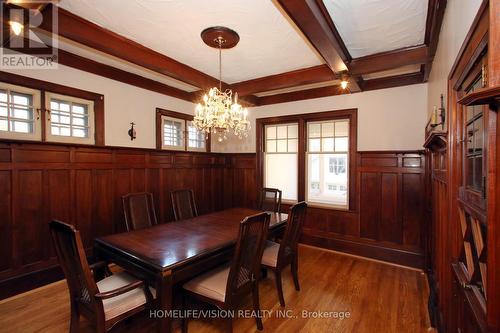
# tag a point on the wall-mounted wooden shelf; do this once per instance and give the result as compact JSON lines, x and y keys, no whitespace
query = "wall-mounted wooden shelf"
{"x":436,"y":140}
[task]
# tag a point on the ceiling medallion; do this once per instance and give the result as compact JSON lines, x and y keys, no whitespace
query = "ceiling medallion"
{"x":218,"y":113}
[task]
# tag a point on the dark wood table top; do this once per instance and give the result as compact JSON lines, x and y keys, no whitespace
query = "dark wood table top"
{"x":170,"y":245}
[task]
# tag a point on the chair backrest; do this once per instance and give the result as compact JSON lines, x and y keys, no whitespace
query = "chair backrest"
{"x":288,"y":246}
{"x":245,"y":266}
{"x":183,"y":204}
{"x":71,"y":255}
{"x":139,"y":211}
{"x":270,"y":200}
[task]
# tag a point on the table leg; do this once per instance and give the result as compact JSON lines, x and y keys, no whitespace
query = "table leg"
{"x":165,"y":301}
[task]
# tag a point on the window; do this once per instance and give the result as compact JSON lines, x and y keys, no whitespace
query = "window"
{"x":173,"y":130}
{"x":310,"y":157}
{"x":19,"y":113}
{"x":176,"y":131}
{"x":69,"y":119}
{"x":327,"y":162}
{"x":281,"y":148}
{"x":196,"y":138}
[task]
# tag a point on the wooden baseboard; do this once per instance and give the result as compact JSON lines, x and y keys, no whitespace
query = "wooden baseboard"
{"x":392,"y":255}
{"x":32,"y":280}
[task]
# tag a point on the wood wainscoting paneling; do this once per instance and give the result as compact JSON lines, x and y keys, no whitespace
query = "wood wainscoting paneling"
{"x":389,"y":223}
{"x":83,"y":185}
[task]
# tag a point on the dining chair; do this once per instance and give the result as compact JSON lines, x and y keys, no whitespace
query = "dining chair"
{"x":183,"y":204}
{"x":270,"y":200}
{"x":277,"y":256}
{"x":104,"y":303}
{"x":226,"y":285}
{"x":139,"y":211}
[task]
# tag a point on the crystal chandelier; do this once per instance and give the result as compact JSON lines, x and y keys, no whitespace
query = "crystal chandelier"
{"x":219,"y":114}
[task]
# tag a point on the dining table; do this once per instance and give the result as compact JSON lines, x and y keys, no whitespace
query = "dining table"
{"x":167,"y":254}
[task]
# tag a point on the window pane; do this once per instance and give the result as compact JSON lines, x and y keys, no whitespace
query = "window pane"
{"x":271,"y":146}
{"x":196,"y":138}
{"x":342,"y":128}
{"x":281,"y":173}
{"x":3,"y":111}
{"x":328,"y":145}
{"x":292,"y":145}
{"x":282,"y":132}
{"x":314,"y":130}
{"x":21,"y":127}
{"x":80,"y":132}
{"x":327,"y":179}
{"x":271,"y":132}
{"x":314,"y":144}
{"x":3,"y":125}
{"x":293,"y":131}
{"x":172,"y":133}
{"x":327,"y":129}
{"x":21,"y":99}
{"x":3,"y":96}
{"x":282,"y":146}
{"x":341,"y":144}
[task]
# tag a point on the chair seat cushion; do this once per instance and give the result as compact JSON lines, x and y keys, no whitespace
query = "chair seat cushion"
{"x":211,"y":284}
{"x":270,"y":255}
{"x":120,"y":304}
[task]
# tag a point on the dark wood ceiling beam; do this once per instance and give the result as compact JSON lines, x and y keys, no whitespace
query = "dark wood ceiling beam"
{"x":393,"y":81}
{"x":301,"y":95}
{"x":311,"y":20}
{"x":290,"y":79}
{"x":89,"y":34}
{"x":381,"y":83}
{"x":435,"y":15}
{"x":389,"y":60}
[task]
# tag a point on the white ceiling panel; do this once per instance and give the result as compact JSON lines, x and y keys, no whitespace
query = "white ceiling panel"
{"x":268,"y":43}
{"x":374,"y":26}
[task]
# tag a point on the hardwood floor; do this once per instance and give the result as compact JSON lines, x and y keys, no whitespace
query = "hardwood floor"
{"x":379,"y":298}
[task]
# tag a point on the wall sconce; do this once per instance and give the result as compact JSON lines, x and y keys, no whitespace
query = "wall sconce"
{"x":439,"y":112}
{"x":131,"y":131}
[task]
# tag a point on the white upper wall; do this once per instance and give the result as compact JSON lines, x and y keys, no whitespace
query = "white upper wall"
{"x":388,"y":119}
{"x":123,"y":104}
{"x":458,"y":18}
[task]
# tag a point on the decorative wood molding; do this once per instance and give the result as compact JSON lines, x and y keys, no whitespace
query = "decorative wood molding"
{"x":389,"y":60}
{"x":489,"y":95}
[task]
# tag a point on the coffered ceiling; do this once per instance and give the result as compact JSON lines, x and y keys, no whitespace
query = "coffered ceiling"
{"x":288,"y":49}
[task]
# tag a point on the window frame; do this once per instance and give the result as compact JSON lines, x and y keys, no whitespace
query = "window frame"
{"x":162,"y":114}
{"x":37,"y":133}
{"x":303,"y":119}
{"x":45,"y":88}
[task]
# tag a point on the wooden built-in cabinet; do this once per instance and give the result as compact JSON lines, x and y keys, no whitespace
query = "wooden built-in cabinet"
{"x":464,"y":233}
